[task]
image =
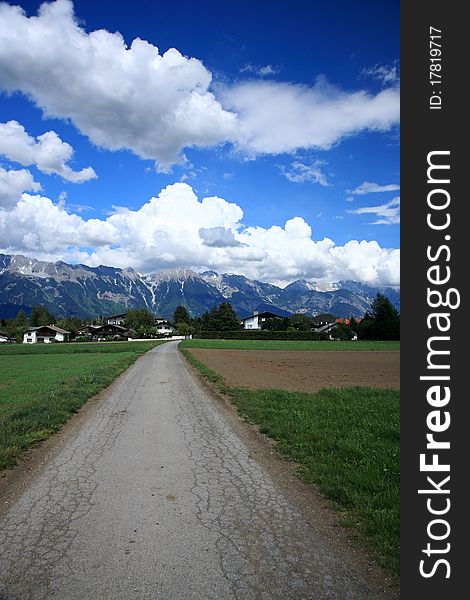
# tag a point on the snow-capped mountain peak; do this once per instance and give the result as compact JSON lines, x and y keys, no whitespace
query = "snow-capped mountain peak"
{"x":69,"y":290}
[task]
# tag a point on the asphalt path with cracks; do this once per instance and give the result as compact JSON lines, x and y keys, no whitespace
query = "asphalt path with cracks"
{"x":157,"y":496}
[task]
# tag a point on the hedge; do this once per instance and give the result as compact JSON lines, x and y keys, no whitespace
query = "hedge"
{"x":259,"y":334}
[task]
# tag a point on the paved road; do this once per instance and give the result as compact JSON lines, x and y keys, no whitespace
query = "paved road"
{"x":156,"y":497}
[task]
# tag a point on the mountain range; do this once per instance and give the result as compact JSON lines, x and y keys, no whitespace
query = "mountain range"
{"x":79,"y":290}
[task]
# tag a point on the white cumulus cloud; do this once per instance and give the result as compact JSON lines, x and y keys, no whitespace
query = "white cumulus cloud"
{"x":48,"y":152}
{"x":36,"y":223}
{"x":120,"y":97}
{"x":277,"y":117}
{"x":13,"y":184}
{"x":177,"y":228}
{"x":156,"y":104}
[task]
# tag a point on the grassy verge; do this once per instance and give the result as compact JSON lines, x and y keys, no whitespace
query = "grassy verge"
{"x":75,"y":348}
{"x":41,"y":386}
{"x":289,"y":345}
{"x":346,"y":441}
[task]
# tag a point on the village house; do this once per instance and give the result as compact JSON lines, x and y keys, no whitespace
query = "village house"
{"x":45,"y":334}
{"x":5,"y":338}
{"x":257,"y":319}
{"x":347,"y":320}
{"x":324,"y":327}
{"x":85,"y":330}
{"x":116,"y":319}
{"x":104,"y":332}
{"x":113,"y":327}
{"x":329,"y":327}
{"x":164,"y":327}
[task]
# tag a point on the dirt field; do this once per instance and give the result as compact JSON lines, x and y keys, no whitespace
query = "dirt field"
{"x":303,"y":371}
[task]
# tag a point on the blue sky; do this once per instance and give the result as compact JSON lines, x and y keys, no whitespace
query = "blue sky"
{"x":288,"y":118}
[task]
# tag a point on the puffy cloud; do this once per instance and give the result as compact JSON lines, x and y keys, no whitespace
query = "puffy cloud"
{"x":389,"y":213}
{"x":157,"y":104}
{"x":13,"y":184}
{"x":36,"y":223}
{"x":119,"y":96}
{"x":49,"y":153}
{"x":367,"y":187}
{"x":367,"y":262}
{"x":218,"y":237}
{"x":299,"y":172}
{"x":176,"y":228}
{"x":277,"y":117}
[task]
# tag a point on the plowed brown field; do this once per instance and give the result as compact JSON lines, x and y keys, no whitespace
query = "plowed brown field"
{"x":303,"y":371}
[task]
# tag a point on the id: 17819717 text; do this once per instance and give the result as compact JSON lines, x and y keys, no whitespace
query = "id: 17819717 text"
{"x":435,"y":68}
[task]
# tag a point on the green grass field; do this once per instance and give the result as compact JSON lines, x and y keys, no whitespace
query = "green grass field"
{"x":42,"y":385}
{"x":288,"y":345}
{"x":346,"y":441}
{"x":74,"y":348}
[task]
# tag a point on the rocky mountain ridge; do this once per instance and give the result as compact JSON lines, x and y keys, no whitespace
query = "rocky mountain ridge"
{"x":80,"y":290}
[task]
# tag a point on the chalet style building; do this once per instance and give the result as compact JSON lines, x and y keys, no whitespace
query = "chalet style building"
{"x":86,"y":330}
{"x":102,"y":332}
{"x":113,"y":327}
{"x":257,"y":319}
{"x":109,"y":330}
{"x":164,"y":327}
{"x":116,"y":319}
{"x":45,"y":334}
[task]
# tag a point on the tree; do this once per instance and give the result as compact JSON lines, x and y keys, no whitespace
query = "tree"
{"x":184,"y":328}
{"x":366,"y":327}
{"x":353,"y":327}
{"x":139,"y":318}
{"x":353,"y":323}
{"x":301,"y":322}
{"x":71,"y":324}
{"x":221,"y":318}
{"x":227,"y":318}
{"x":275,"y":324}
{"x":141,"y":321}
{"x":341,"y":331}
{"x":210,"y":321}
{"x":181,"y":315}
{"x":197,"y":324}
{"x":207,"y":320}
{"x":382,"y":323}
{"x":17,"y":327}
{"x":387,"y":318}
{"x":40,"y":315}
{"x":21,"y":320}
